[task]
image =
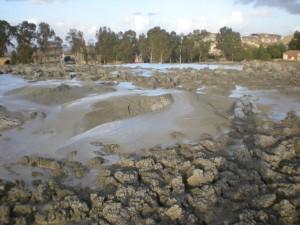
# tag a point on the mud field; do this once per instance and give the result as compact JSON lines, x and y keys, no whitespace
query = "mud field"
{"x":205,"y":144}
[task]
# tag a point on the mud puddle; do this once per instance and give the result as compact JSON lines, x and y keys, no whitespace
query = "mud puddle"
{"x":274,"y":102}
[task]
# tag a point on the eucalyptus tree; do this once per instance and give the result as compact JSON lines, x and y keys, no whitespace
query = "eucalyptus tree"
{"x":143,"y":47}
{"x":106,"y":45}
{"x":44,"y":36}
{"x":295,"y":42}
{"x":25,"y":35}
{"x":187,"y":48}
{"x":230,"y":43}
{"x":128,"y":46}
{"x":77,"y":43}
{"x":201,"y":44}
{"x":6,"y":34}
{"x":159,"y":42}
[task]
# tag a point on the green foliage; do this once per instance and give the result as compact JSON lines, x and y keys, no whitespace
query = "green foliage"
{"x":76,"y":41}
{"x":44,"y":35}
{"x":230,"y":43}
{"x":14,"y":58}
{"x":25,"y":35}
{"x":6,"y":33}
{"x":295,"y":42}
{"x":106,"y":45}
{"x":157,"y":45}
{"x":201,"y":45}
{"x":276,"y":51}
{"x":160,"y":45}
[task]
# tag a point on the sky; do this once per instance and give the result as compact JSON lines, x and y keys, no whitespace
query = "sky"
{"x":183,"y":16}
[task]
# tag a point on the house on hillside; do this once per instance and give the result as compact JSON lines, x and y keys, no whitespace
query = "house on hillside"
{"x":4,"y":61}
{"x":292,"y":55}
{"x":51,"y":55}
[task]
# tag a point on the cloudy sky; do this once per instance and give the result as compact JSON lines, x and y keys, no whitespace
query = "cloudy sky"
{"x":245,"y":16}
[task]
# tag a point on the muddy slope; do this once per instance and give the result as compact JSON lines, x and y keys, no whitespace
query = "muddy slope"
{"x":56,"y":95}
{"x":124,"y":107}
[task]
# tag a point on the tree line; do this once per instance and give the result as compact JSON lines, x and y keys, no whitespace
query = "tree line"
{"x":157,"y":45}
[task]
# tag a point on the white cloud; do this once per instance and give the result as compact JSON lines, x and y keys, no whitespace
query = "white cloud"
{"x":186,"y":25}
{"x":297,"y":28}
{"x":235,"y":20}
{"x":259,"y":13}
{"x":138,"y":22}
{"x":33,"y":20}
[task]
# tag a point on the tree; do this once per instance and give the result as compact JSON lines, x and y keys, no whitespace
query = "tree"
{"x":6,"y":33}
{"x":187,"y":48}
{"x":107,"y":45}
{"x":201,"y":45}
{"x":295,"y":42}
{"x":262,"y":54}
{"x":77,"y":43}
{"x":175,"y":47}
{"x":160,"y":49}
{"x":128,"y":46}
{"x":25,"y":35}
{"x":276,"y":51}
{"x":44,"y":35}
{"x":230,"y":43}
{"x":143,"y":47}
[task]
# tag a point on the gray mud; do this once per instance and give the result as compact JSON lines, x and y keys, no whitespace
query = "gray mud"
{"x":192,"y":151}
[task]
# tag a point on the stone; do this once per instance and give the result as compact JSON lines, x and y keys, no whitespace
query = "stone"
{"x":264,"y":141}
{"x":96,"y":162}
{"x":174,"y":213}
{"x":128,"y":177}
{"x":4,"y":214}
{"x":264,"y":201}
{"x":287,"y":211}
{"x":200,"y":177}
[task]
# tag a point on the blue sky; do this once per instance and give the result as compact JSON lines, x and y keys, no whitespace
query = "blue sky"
{"x":245,"y":16}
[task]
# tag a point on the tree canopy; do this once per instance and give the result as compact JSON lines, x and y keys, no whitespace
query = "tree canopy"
{"x":157,"y":45}
{"x":295,"y":42}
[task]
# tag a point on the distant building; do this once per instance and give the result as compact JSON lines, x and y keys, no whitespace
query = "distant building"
{"x":255,"y":40}
{"x":292,"y":55}
{"x":4,"y":61}
{"x":50,"y":55}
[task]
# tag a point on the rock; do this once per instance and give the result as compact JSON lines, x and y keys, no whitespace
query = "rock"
{"x":287,"y":211}
{"x":4,"y":214}
{"x":264,"y":141}
{"x":245,"y":107}
{"x":56,"y":168}
{"x":114,"y":213}
{"x":23,"y":210}
{"x":145,"y":164}
{"x":79,"y":209}
{"x":77,"y":167}
{"x":264,"y":201}
{"x":177,"y":185}
{"x":96,"y":162}
{"x":174,"y":213}
{"x":18,"y":195}
{"x":202,"y":199}
{"x":200,"y":177}
{"x":128,"y":177}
